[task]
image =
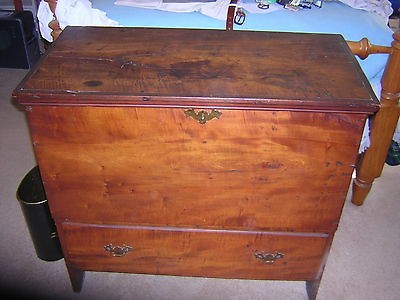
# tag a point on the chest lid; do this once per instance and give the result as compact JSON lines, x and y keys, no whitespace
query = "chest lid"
{"x":198,"y":68}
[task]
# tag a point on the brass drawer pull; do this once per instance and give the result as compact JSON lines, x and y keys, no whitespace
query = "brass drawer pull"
{"x":202,"y":116}
{"x":117,"y":251}
{"x":268,"y":258}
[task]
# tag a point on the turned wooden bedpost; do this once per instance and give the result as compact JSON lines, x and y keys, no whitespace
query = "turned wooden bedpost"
{"x":18,"y":5}
{"x":383,"y":124}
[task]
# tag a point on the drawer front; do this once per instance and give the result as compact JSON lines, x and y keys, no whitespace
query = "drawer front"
{"x":206,"y":253}
{"x":258,"y":170}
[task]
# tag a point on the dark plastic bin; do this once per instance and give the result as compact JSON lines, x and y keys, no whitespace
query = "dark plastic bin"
{"x":33,"y":202}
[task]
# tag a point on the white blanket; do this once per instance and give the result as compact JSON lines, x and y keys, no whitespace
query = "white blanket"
{"x":71,"y":12}
{"x":381,"y":7}
{"x":217,"y":9}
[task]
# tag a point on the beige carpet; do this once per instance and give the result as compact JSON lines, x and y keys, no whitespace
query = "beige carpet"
{"x":364,"y":262}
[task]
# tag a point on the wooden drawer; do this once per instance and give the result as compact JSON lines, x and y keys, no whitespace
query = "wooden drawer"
{"x":260,"y":170}
{"x":208,"y":253}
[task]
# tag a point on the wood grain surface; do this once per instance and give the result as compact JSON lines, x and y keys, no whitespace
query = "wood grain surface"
{"x":137,"y":66}
{"x":194,"y":252}
{"x":248,"y":169}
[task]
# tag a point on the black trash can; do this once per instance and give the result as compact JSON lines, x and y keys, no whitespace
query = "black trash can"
{"x":33,"y":202}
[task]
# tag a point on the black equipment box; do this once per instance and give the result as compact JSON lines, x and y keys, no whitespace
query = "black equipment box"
{"x":19,"y":45}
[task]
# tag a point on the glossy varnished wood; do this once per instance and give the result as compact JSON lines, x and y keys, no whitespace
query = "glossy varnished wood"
{"x":383,"y":125}
{"x":247,"y":169}
{"x":122,"y":162}
{"x":371,"y":163}
{"x":161,"y":67}
{"x":364,"y":48}
{"x":212,"y":253}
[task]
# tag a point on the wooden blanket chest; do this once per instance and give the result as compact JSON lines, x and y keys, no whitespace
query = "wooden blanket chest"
{"x":196,"y":152}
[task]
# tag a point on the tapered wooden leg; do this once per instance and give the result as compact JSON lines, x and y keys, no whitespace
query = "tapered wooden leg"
{"x":312,"y":287}
{"x":360,"y":191}
{"x":76,"y":277}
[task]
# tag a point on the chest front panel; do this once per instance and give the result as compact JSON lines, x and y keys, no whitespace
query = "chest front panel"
{"x":269,"y":170}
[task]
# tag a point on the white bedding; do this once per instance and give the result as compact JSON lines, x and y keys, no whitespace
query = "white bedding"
{"x":381,"y":7}
{"x":215,"y":9}
{"x":71,"y":12}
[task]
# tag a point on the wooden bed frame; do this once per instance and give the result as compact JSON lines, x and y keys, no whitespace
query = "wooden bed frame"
{"x":382,"y":125}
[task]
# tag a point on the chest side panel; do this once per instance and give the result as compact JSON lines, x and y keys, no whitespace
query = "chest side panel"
{"x":148,"y":166}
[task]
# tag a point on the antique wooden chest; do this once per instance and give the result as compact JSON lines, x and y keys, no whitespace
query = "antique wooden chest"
{"x":196,"y":152}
